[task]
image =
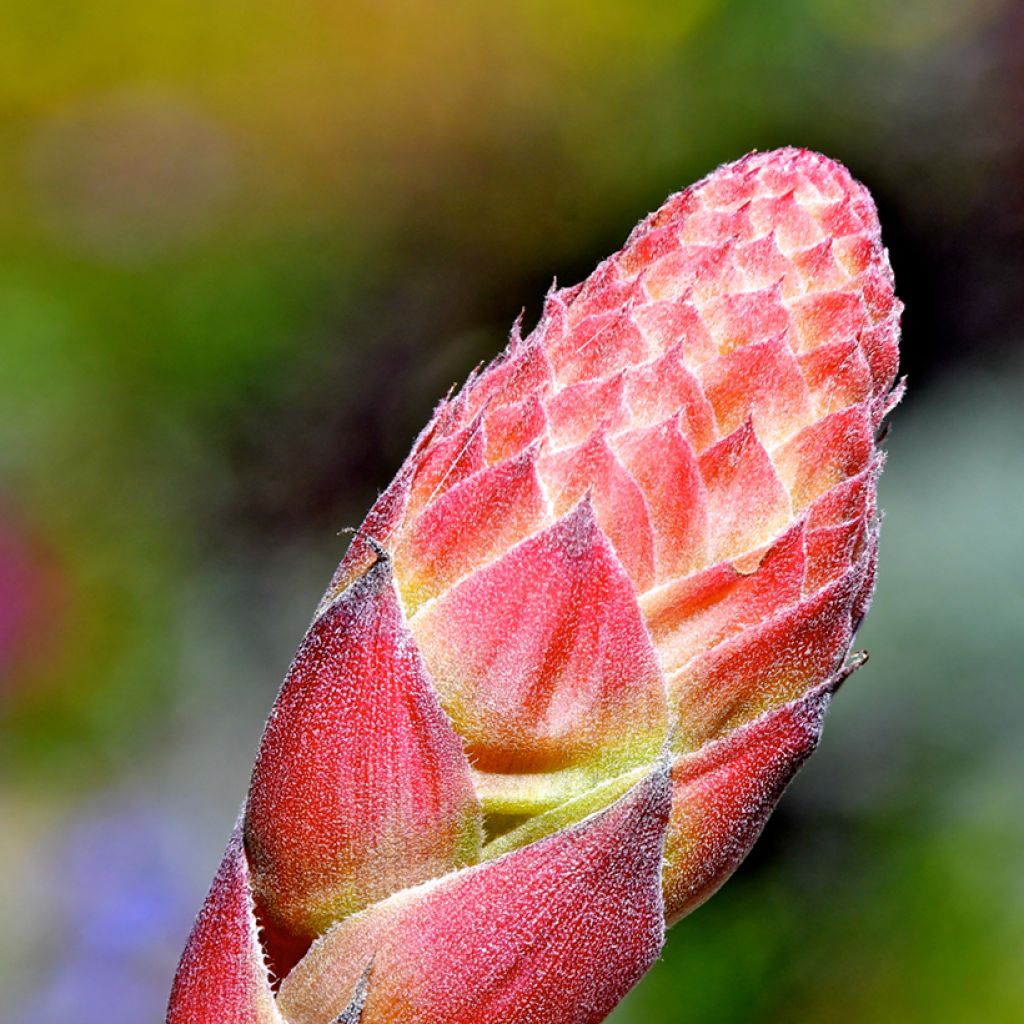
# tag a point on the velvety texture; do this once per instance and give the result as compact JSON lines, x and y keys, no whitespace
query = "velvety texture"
{"x":584,"y":640}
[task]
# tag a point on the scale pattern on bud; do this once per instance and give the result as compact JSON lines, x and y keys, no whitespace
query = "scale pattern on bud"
{"x":584,"y":640}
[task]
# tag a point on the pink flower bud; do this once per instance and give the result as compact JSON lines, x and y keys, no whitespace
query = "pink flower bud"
{"x":586,"y":638}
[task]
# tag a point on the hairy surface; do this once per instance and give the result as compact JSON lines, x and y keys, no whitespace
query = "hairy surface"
{"x":585,"y":639}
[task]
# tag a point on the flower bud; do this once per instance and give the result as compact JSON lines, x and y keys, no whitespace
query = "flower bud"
{"x":584,"y":640}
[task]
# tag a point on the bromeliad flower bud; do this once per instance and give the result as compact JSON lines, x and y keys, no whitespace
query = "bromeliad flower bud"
{"x":584,"y":640}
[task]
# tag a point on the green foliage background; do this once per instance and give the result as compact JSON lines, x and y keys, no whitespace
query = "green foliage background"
{"x":243,"y":249}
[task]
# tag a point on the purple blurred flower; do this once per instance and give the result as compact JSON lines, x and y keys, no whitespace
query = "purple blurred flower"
{"x":122,"y":904}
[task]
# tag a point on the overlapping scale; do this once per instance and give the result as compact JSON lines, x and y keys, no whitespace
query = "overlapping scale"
{"x":544,"y":665}
{"x":723,"y":794}
{"x":222,"y":975}
{"x":662,"y":462}
{"x":768,"y":663}
{"x":592,"y":468}
{"x":467,"y":525}
{"x":761,"y":382}
{"x":692,"y":614}
{"x":361,"y":786}
{"x":552,"y":933}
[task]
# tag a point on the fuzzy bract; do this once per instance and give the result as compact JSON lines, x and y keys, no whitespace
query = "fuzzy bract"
{"x":583,"y":642}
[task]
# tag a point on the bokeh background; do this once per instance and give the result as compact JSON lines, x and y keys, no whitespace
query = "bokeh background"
{"x":244,"y":246}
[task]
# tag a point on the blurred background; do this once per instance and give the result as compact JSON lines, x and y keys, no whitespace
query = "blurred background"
{"x":244,"y":247}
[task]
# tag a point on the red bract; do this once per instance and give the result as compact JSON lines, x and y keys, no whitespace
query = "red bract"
{"x":586,"y":638}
